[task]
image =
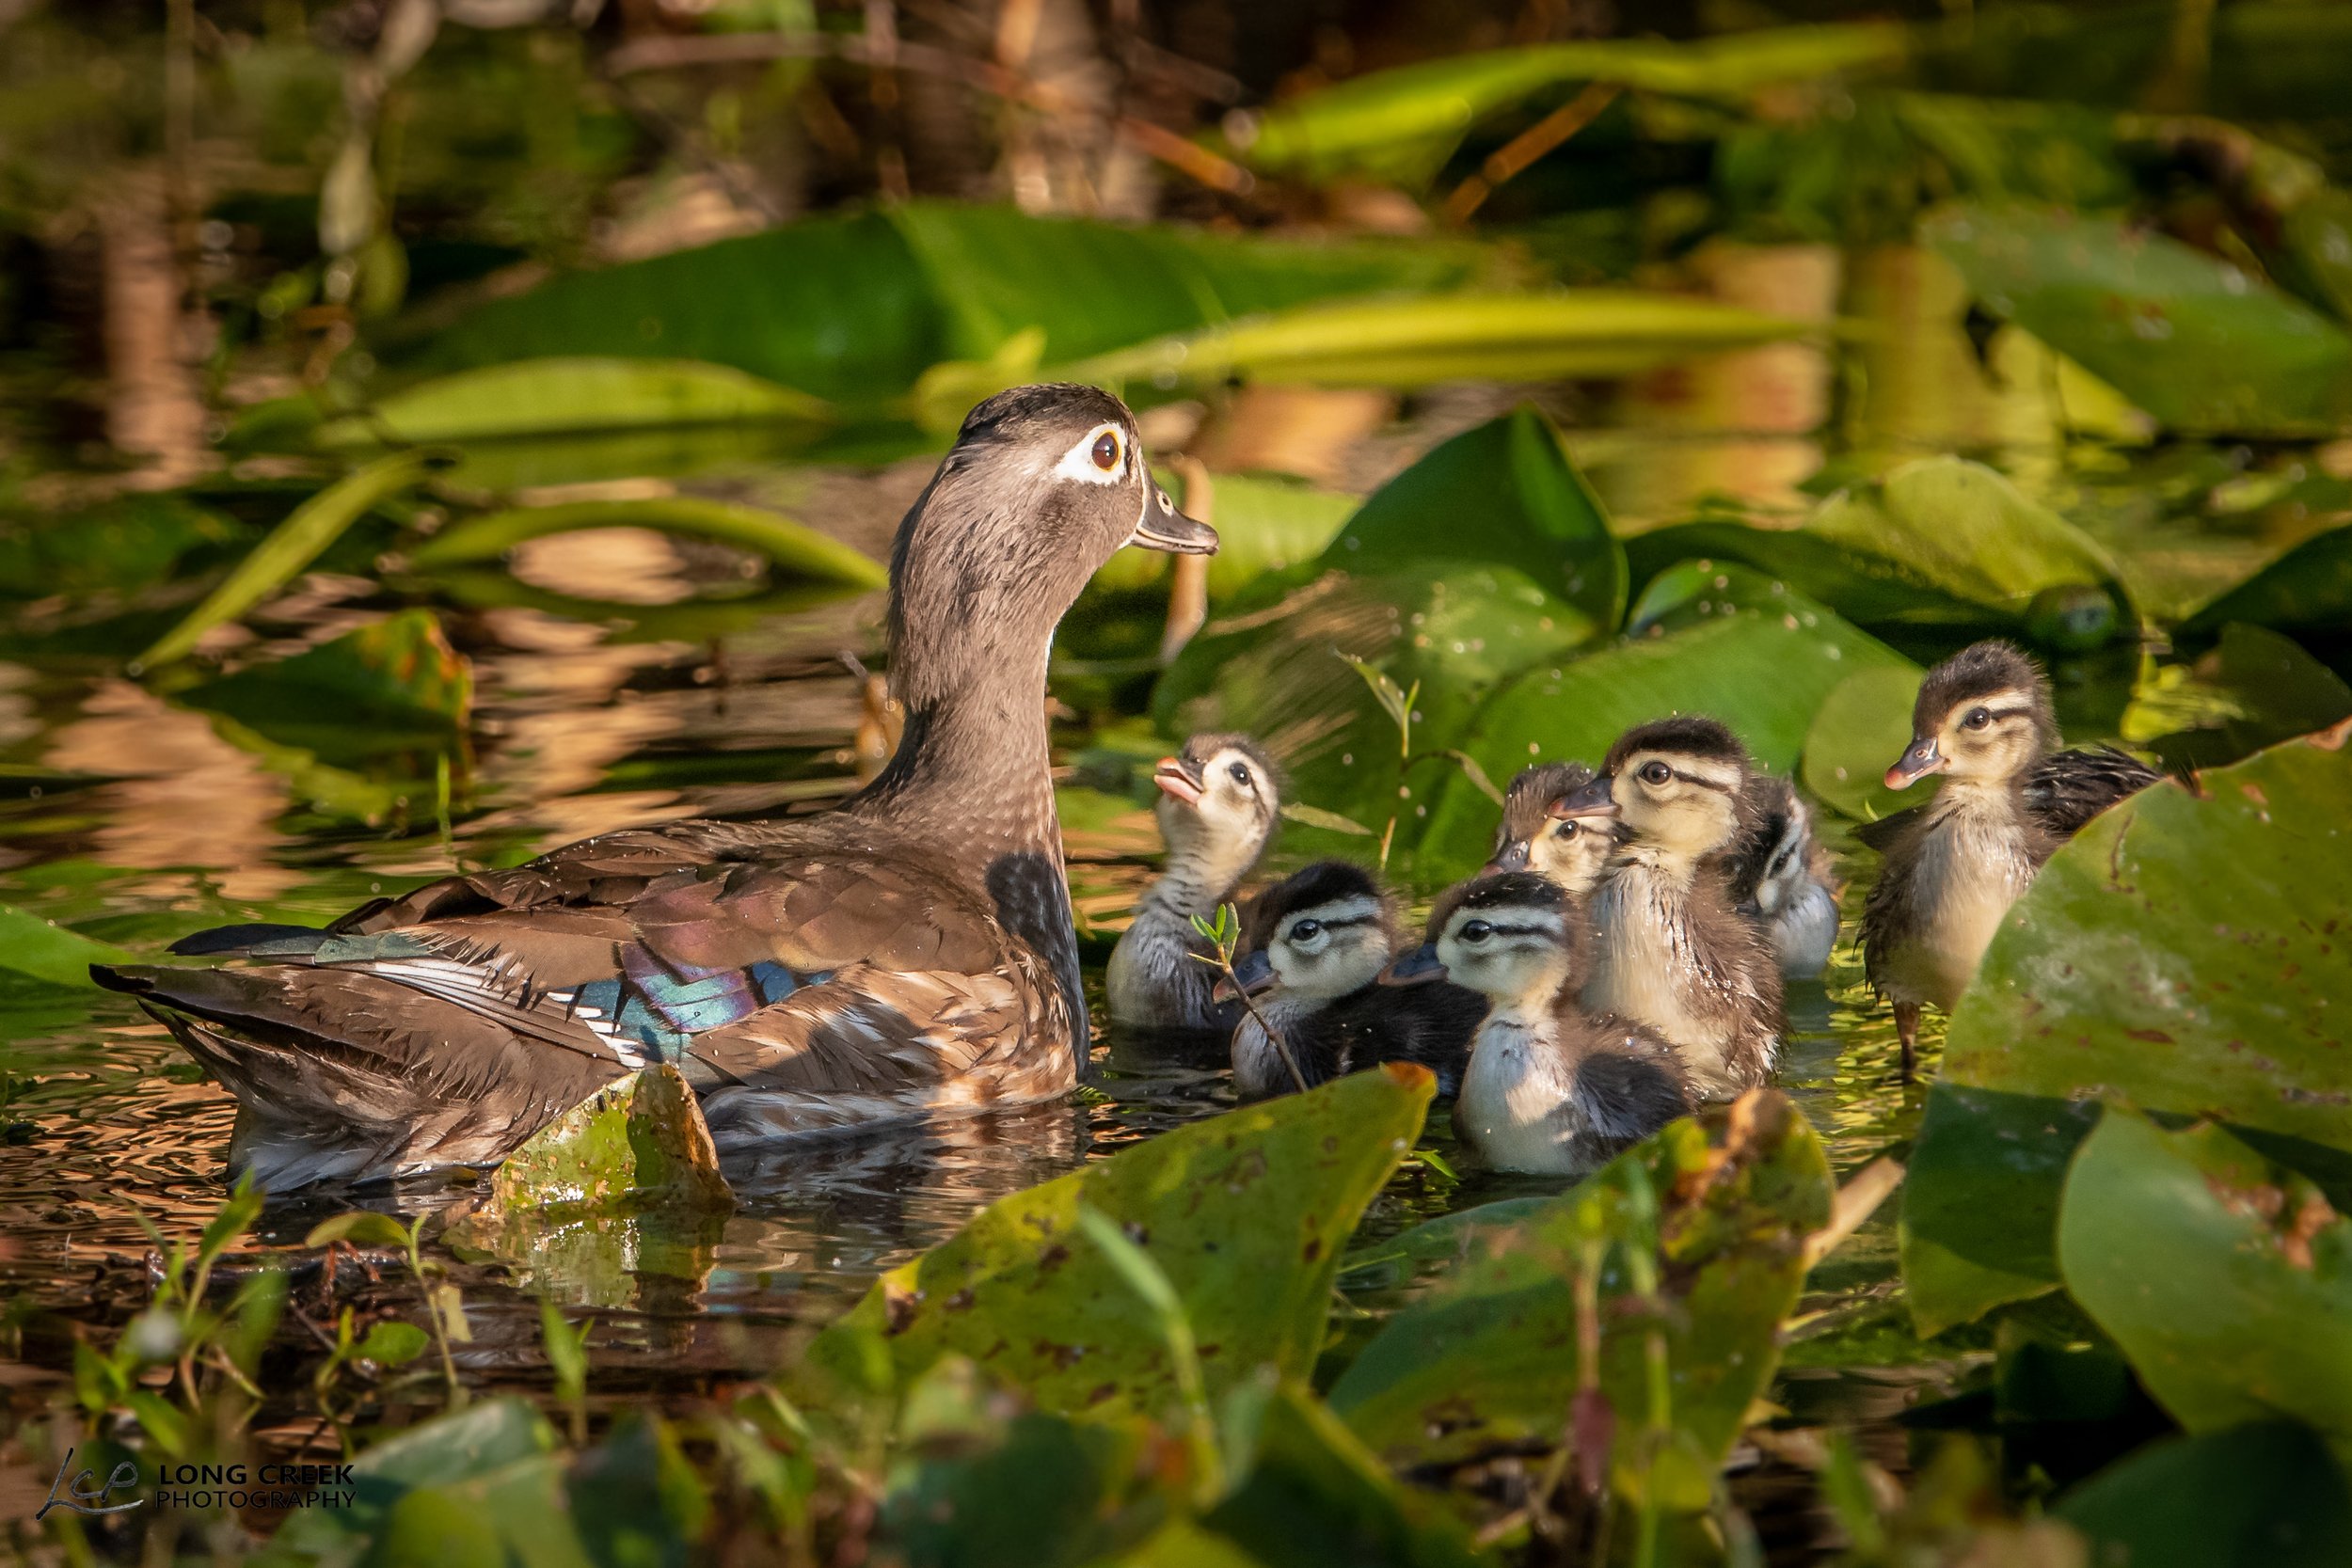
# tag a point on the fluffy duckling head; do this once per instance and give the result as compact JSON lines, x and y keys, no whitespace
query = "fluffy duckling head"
{"x":1516,"y":937}
{"x":1983,"y":717}
{"x":1219,"y":798}
{"x":1318,"y":935}
{"x":1679,"y":786}
{"x":1569,"y":850}
{"x":1043,"y":486}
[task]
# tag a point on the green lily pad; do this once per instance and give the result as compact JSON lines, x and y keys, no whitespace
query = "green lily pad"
{"x":1504,"y":492}
{"x":2182,"y":955}
{"x":1767,"y":674}
{"x":490,"y":1436}
{"x":2227,"y":1279}
{"x":1941,"y":543}
{"x":2251,"y":689}
{"x":1863,"y":725}
{"x":2191,"y":338}
{"x":1245,"y":1214}
{"x":2266,"y":1494}
{"x":395,"y":684}
{"x":1718,"y":1208}
{"x":1264,"y":523}
{"x":2308,"y":592}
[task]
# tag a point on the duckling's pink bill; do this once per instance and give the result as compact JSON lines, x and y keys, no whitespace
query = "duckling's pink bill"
{"x":1916,"y":764}
{"x":1416,"y":968}
{"x":1164,"y":527}
{"x":1175,"y":783}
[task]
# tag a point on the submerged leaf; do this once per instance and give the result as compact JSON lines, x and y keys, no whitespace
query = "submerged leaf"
{"x":2267,"y":1492}
{"x":396,"y":683}
{"x":2308,"y":591}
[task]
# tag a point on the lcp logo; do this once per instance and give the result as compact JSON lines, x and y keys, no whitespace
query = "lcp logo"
{"x":78,"y":1496}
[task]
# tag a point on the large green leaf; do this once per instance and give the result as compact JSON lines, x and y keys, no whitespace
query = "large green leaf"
{"x":532,"y":397}
{"x":1401,"y":123}
{"x":2306,"y":591}
{"x":490,"y":1436}
{"x":1863,"y":724}
{"x":1264,"y":523}
{"x":2253,"y":688}
{"x":1503,"y":492}
{"x":2181,"y":954}
{"x":2227,"y":1279}
{"x":1244,"y":1214}
{"x":1486,"y":1364}
{"x":1765,"y":671}
{"x":799,"y":549}
{"x":2192,"y":339}
{"x":1943,"y":542}
{"x":854,"y":309}
{"x":2266,"y":1495}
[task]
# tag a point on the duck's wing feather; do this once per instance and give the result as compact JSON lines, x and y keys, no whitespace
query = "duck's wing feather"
{"x":1889,"y":831}
{"x":2065,"y":791}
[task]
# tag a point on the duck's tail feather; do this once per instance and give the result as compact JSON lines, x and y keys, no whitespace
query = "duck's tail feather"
{"x":407,"y":1081}
{"x":258,"y":939}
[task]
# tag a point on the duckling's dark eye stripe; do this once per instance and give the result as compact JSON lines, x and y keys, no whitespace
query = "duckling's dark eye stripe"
{"x":2008,"y":712}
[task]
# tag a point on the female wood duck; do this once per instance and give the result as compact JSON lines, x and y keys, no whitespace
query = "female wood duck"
{"x":1550,"y":1088}
{"x":911,"y":953}
{"x":2009,"y":797}
{"x":1670,"y":951}
{"x":1317,"y":941}
{"x":1218,"y":807}
{"x":1569,"y":852}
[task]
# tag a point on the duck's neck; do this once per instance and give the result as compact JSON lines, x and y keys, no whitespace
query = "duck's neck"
{"x":973,"y":779}
{"x":1200,"y":875}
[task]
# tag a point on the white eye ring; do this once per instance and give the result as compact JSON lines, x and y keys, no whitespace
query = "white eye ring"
{"x":1082,"y":462}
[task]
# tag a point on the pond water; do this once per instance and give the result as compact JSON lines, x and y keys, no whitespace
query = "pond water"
{"x":133,"y":819}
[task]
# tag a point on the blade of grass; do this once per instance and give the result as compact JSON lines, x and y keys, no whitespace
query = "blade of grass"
{"x":296,"y":542}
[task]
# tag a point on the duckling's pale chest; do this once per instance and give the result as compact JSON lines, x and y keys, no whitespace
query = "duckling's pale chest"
{"x":1972,"y":865}
{"x":1649,"y":965}
{"x":1516,"y":1106}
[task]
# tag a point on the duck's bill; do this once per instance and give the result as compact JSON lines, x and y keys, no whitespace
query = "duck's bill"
{"x":1511,"y":857}
{"x":1176,"y":782}
{"x":1254,"y":972}
{"x":1417,"y":968}
{"x":1917,"y":763}
{"x":1164,"y":527}
{"x":1593,"y":800}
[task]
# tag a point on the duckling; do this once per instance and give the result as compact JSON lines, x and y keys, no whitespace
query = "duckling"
{"x":910,"y":954}
{"x":1317,"y":941}
{"x":1218,"y":807}
{"x":1550,"y":1088}
{"x":1570,"y":851}
{"x":2009,"y":797}
{"x":1670,"y":951}
{"x":1781,"y":878}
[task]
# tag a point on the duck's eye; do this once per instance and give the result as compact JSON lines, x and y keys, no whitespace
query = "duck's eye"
{"x":1656,"y":772}
{"x":1476,"y":931}
{"x":1978,"y":718}
{"x":1566,"y":829}
{"x":1240,"y":772}
{"x":1307,"y":930}
{"x":1107,"y":450}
